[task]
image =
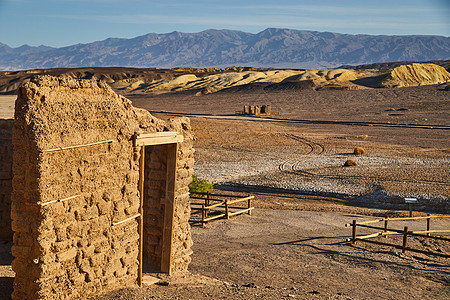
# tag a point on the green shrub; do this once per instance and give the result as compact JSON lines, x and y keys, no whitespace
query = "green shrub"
{"x":199,"y":186}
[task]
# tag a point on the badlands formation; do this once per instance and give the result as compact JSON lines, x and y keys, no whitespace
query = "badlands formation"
{"x":206,"y":81}
{"x":406,"y":75}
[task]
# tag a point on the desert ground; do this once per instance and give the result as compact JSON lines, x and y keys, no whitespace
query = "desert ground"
{"x":294,"y":243}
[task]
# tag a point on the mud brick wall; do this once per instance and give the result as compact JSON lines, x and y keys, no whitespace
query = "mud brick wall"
{"x":6,"y":158}
{"x":74,"y":208}
{"x":182,"y":241}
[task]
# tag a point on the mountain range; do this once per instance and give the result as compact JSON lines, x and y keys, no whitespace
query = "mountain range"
{"x":271,"y":48}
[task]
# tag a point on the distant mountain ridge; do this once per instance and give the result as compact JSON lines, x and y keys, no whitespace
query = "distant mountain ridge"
{"x":271,"y":48}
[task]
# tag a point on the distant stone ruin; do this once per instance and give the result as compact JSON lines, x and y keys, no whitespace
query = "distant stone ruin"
{"x":256,"y":110}
{"x":100,"y":190}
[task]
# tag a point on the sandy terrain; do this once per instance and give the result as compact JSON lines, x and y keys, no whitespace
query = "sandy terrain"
{"x":7,"y":106}
{"x":293,"y":246}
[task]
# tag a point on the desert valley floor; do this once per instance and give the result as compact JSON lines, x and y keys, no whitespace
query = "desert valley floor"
{"x":294,"y":244}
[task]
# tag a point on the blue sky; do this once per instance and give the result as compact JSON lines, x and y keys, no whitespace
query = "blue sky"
{"x":60,"y":23}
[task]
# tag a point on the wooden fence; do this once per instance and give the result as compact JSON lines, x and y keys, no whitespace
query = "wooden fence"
{"x":385,"y":231}
{"x":221,"y":206}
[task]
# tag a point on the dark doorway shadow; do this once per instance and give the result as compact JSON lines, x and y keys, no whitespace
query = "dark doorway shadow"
{"x":6,"y":258}
{"x":6,"y":287}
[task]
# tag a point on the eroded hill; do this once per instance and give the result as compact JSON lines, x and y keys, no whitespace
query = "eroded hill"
{"x":206,"y":81}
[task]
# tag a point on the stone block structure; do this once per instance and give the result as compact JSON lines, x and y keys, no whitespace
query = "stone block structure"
{"x":256,"y":110}
{"x":90,"y":206}
{"x":6,"y":157}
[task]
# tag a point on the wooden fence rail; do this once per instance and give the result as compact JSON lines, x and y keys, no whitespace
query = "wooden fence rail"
{"x":222,"y":208}
{"x":385,"y":231}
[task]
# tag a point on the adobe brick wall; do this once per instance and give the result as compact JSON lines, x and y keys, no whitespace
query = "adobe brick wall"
{"x":6,"y":157}
{"x":65,"y":203}
{"x":182,"y":241}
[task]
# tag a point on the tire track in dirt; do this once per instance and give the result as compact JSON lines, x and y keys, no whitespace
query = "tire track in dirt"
{"x":293,"y":165}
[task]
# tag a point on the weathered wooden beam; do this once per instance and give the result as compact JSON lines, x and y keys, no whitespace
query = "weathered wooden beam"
{"x":77,"y":146}
{"x":241,"y":211}
{"x":126,"y":220}
{"x":214,"y":217}
{"x":158,"y":138}
{"x":141,"y":212}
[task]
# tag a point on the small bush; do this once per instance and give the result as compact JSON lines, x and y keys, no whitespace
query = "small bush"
{"x":359,"y":151}
{"x":350,"y":163}
{"x":199,"y":186}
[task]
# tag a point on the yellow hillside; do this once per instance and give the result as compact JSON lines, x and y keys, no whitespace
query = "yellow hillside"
{"x":219,"y":81}
{"x":417,"y":74}
{"x":406,"y":75}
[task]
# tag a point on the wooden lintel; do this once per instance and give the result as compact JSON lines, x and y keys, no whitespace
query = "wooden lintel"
{"x":158,"y":138}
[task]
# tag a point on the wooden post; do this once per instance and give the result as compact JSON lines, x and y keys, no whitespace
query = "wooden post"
{"x":203,"y":215}
{"x":385,"y":226}
{"x":428,"y":224}
{"x":354,"y":232}
{"x":405,"y":239}
{"x":249,"y":205}
{"x":226,"y":209}
{"x":208,"y":202}
{"x":141,"y":211}
{"x":169,"y":208}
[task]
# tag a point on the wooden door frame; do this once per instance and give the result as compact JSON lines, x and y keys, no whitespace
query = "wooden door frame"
{"x":171,"y":139}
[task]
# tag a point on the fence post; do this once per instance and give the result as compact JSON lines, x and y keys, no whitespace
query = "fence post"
{"x":405,"y":239}
{"x":354,"y":232}
{"x":249,"y":205}
{"x":428,"y":224}
{"x":386,"y":226}
{"x":226,"y":209}
{"x":203,"y":215}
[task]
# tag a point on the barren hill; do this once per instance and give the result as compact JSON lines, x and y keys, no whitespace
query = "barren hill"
{"x":205,"y":81}
{"x":417,"y":74}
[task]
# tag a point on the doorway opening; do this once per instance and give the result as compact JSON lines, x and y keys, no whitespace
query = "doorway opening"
{"x":157,"y":186}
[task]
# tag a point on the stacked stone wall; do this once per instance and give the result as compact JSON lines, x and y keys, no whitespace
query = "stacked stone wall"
{"x":6,"y":158}
{"x":75,"y":196}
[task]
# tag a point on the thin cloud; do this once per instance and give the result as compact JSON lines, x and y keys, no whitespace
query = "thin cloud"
{"x":358,"y":25}
{"x":338,"y":9}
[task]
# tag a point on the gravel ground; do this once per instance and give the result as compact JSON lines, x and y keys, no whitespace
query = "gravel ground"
{"x":312,"y":164}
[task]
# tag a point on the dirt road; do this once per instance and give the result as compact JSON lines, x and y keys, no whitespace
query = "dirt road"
{"x":284,"y":254}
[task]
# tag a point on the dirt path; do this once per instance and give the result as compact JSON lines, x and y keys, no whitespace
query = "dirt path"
{"x":284,"y":254}
{"x":306,"y":253}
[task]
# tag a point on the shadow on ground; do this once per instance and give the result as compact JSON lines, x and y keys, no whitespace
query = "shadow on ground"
{"x":376,"y":199}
